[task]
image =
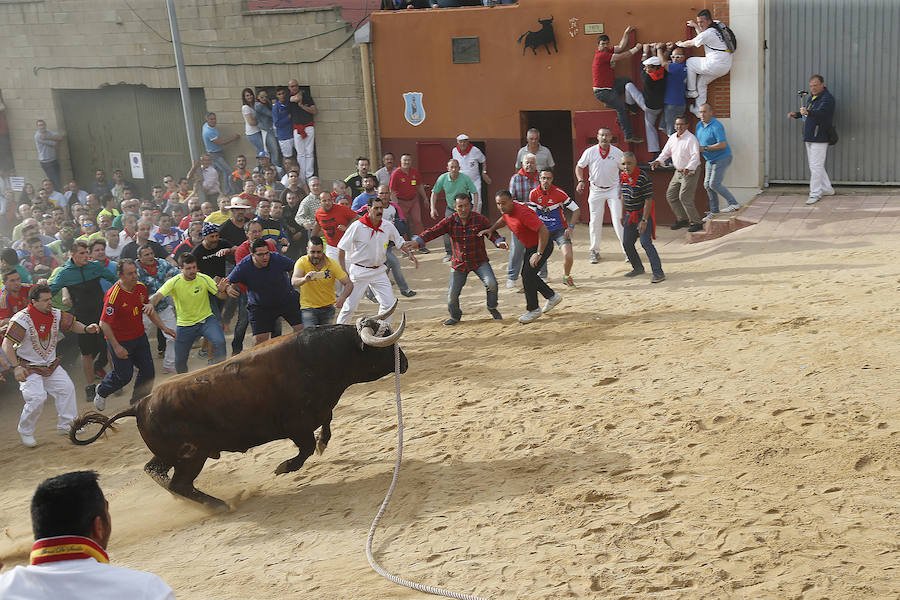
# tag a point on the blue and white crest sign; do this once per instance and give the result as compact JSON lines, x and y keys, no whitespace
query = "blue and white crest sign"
{"x":414,"y":111}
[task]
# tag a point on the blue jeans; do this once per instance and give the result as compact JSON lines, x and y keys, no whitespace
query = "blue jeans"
{"x":458,"y":280}
{"x":324,"y":315}
{"x":123,"y":368}
{"x":516,"y":254}
{"x":257,"y":141}
{"x":224,"y":170}
{"x":670,"y":111}
{"x":272,"y":146}
{"x":393,"y":265}
{"x":715,"y":173}
{"x":187,"y":334}
{"x":630,"y":236}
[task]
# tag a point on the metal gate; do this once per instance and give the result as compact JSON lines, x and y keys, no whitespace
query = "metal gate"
{"x":104,"y":125}
{"x":853,"y":45}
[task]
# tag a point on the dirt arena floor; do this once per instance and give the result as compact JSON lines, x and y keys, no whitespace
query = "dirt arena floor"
{"x":733,"y":432}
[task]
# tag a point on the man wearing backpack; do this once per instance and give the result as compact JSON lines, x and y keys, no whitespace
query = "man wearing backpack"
{"x":719,"y":44}
{"x":817,"y":132}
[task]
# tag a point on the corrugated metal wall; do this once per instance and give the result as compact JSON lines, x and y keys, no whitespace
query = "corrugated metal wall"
{"x":104,"y":125}
{"x":853,"y":44}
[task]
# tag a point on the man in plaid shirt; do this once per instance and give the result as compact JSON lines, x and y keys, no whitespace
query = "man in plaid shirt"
{"x":468,"y":254}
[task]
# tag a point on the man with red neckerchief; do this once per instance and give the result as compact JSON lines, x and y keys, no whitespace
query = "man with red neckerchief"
{"x":550,"y":202}
{"x":599,"y":165}
{"x":472,"y":162}
{"x":408,"y":191}
{"x":36,"y":330}
{"x":362,"y":252}
{"x":71,"y":523}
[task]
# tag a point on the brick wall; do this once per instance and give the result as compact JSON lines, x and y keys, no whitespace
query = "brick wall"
{"x":50,"y":43}
{"x":719,"y":92}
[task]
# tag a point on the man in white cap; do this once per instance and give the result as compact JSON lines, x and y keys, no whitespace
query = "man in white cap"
{"x":472,"y":163}
{"x":652,"y":99}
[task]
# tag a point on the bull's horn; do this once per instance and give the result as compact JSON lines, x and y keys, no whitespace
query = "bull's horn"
{"x":370,"y":339}
{"x":386,"y":313}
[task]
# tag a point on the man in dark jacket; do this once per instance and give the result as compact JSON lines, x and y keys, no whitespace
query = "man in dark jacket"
{"x":817,"y":127}
{"x":81,"y":277}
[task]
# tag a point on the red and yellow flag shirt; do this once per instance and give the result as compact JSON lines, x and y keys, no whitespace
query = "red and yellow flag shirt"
{"x":123,"y":311}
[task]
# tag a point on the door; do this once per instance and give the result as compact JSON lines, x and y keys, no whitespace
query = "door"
{"x":853,"y":46}
{"x":104,"y":125}
{"x":555,"y":127}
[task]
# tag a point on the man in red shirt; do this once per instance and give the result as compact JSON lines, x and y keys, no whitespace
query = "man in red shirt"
{"x":249,"y":195}
{"x":122,"y":322}
{"x":607,"y":88}
{"x":408,"y":191}
{"x":13,"y":298}
{"x":332,"y":220}
{"x":534,"y":235}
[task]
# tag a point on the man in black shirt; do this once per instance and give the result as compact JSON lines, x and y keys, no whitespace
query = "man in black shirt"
{"x":302,"y":108}
{"x":233,"y":234}
{"x":355,"y":180}
{"x":652,"y":100}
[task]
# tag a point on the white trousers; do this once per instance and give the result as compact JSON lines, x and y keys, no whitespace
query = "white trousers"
{"x":597,"y":201}
{"x":819,"y":183}
{"x":305,"y":148}
{"x":34,"y":391}
{"x":651,"y":115}
{"x":701,"y":71}
{"x":287,"y":147}
{"x":363,"y":278}
{"x":168,"y":318}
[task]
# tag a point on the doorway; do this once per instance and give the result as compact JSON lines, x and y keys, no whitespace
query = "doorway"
{"x":556,"y":134}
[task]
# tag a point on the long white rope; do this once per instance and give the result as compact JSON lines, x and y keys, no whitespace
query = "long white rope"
{"x":378,"y":568}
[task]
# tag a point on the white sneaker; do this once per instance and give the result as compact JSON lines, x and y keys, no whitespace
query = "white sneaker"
{"x":530,"y":316}
{"x":511,"y":283}
{"x":28,"y":440}
{"x":99,"y":402}
{"x":556,"y":299}
{"x":730,"y":208}
{"x":812,"y":199}
{"x":709,"y":217}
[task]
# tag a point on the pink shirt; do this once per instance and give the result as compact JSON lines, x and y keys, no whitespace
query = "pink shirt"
{"x":684,"y":150}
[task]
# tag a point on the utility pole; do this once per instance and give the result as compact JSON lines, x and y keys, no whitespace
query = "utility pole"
{"x":183,"y":82}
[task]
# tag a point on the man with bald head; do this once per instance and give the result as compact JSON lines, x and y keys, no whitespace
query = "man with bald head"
{"x":302,"y":108}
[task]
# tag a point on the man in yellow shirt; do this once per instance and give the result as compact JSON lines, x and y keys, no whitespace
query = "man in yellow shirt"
{"x":314,"y":275}
{"x":190,"y":290}
{"x":223,"y":214}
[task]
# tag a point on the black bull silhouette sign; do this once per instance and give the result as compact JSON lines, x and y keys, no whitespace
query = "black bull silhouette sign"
{"x":542,"y":37}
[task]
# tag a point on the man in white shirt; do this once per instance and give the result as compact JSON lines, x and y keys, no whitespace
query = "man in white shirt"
{"x":71,"y":524}
{"x":54,"y":196}
{"x":602,"y":162}
{"x":46,"y":140}
{"x":384,"y":173}
{"x":471,"y":162}
{"x":362,"y":252}
{"x":701,"y":71}
{"x":684,"y":149}
{"x":74,"y":194}
{"x":533,"y":146}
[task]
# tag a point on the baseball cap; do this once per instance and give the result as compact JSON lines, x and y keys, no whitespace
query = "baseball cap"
{"x":238,"y":202}
{"x":261,"y":154}
{"x":653,"y":60}
{"x":461,"y":137}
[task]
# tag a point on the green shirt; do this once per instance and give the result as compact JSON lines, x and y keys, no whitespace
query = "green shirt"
{"x":191,"y":297}
{"x":462,"y":185}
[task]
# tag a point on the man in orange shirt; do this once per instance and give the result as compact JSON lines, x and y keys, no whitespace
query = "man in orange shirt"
{"x":332,"y":220}
{"x":408,"y":191}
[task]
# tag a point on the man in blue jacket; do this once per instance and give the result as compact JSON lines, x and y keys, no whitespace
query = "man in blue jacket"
{"x":817,"y":116}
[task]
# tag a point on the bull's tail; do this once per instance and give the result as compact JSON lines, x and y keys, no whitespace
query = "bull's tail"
{"x":95,"y":417}
{"x":521,"y":36}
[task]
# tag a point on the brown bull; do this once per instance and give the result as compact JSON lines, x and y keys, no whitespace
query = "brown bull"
{"x":284,"y":389}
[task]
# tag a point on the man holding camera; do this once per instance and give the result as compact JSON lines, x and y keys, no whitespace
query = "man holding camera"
{"x":817,"y":112}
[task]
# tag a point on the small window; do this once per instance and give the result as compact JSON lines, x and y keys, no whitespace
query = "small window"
{"x":466,"y":51}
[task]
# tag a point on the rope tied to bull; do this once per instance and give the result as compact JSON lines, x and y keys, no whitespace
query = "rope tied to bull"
{"x":387,"y":498}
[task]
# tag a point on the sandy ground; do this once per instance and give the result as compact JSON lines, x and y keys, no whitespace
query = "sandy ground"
{"x":732,"y":432}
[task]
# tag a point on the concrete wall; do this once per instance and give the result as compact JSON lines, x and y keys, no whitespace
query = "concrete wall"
{"x":86,"y":44}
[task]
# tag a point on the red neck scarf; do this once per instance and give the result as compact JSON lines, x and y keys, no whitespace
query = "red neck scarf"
{"x":66,"y":547}
{"x":657,"y":74}
{"x":42,"y":322}
{"x":365,"y":220}
{"x":464,"y":152}
{"x":603,"y":153}
{"x":630,"y":179}
{"x":525,"y":173}
{"x":151,"y":269}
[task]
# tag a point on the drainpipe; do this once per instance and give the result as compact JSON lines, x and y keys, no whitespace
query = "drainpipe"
{"x":363,"y":37}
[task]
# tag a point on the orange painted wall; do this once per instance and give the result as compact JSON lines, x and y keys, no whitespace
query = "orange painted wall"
{"x":412,"y":52}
